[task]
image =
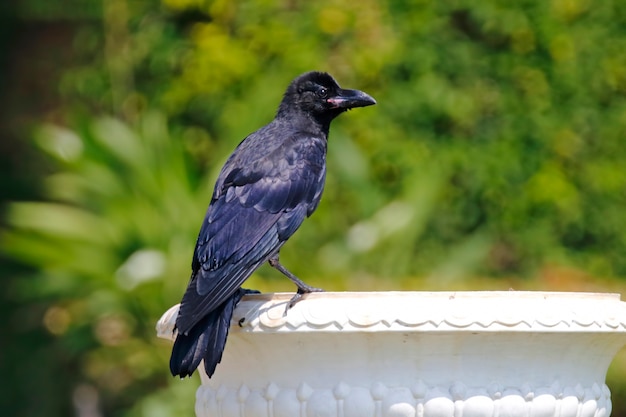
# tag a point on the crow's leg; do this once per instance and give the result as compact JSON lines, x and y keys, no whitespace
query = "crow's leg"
{"x":303,"y":288}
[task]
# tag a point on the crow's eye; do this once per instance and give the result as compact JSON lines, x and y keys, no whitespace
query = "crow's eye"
{"x":322,"y":93}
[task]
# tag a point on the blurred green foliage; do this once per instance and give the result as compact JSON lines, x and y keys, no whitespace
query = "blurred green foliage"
{"x":495,"y":151}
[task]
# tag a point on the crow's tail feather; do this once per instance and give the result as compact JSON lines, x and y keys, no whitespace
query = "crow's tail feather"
{"x":205,"y":340}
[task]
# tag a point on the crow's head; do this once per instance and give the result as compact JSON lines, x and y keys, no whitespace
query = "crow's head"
{"x":319,"y":95}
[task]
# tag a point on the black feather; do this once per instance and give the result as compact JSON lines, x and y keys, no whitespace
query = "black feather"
{"x":206,"y":340}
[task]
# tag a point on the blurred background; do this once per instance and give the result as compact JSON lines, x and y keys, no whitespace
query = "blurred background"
{"x":495,"y":159}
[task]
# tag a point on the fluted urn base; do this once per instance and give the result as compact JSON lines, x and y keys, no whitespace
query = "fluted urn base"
{"x":405,"y":354}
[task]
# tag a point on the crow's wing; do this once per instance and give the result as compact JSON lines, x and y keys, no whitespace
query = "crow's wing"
{"x":258,"y":203}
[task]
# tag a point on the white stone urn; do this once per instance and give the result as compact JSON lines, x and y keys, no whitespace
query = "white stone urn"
{"x":422,"y":354}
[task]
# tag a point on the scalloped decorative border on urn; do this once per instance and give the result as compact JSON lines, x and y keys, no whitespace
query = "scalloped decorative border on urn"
{"x":416,"y":354}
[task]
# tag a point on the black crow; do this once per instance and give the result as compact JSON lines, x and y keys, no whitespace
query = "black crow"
{"x":267,"y":187}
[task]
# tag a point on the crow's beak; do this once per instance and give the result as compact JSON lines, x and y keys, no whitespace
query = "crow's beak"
{"x":347,"y":99}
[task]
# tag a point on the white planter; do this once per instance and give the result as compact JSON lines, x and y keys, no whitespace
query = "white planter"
{"x":443,"y":354}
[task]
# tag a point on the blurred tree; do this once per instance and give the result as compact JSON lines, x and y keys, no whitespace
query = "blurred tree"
{"x":495,"y":151}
